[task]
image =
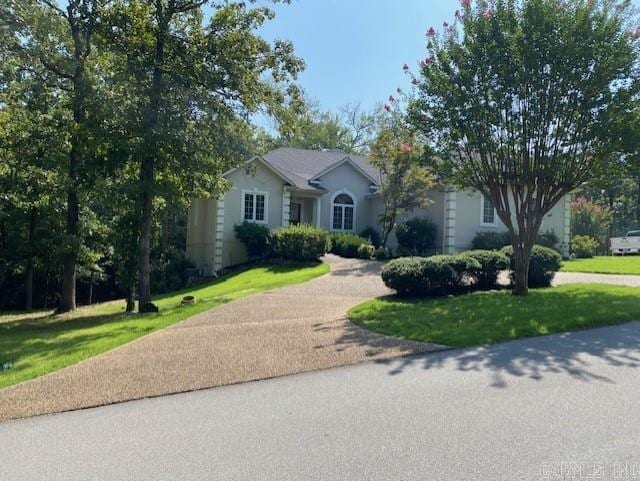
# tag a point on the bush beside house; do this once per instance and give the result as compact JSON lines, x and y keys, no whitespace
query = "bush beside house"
{"x":543,"y":265}
{"x":584,"y":246}
{"x":490,"y":240}
{"x":477,"y":269}
{"x":416,"y":236}
{"x":300,"y":243}
{"x":346,"y":245}
{"x":255,"y":237}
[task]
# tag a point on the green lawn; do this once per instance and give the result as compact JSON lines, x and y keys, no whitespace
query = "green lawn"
{"x":495,"y":316}
{"x":38,"y":342}
{"x":604,"y":265}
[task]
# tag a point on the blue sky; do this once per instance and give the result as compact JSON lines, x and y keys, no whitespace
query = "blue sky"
{"x":355,"y":49}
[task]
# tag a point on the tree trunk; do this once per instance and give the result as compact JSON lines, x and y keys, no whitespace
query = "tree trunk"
{"x":144,"y":268}
{"x":90,"y":296}
{"x":521,"y":257}
{"x":28,"y":285}
{"x":28,"y":276}
{"x":147,"y":167}
{"x":70,"y":258}
{"x":131,"y":300}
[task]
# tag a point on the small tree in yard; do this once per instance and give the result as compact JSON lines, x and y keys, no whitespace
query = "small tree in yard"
{"x":519,"y":106}
{"x":404,"y":181}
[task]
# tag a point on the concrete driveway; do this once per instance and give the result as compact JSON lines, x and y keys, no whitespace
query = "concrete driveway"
{"x":556,"y":407}
{"x":279,"y":332}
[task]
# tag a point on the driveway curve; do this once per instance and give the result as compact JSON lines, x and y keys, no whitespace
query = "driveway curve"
{"x":279,"y":332}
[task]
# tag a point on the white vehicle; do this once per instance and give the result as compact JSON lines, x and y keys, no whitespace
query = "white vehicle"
{"x":629,"y":244}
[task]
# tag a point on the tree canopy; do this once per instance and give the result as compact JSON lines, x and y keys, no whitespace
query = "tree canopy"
{"x":515,"y":98}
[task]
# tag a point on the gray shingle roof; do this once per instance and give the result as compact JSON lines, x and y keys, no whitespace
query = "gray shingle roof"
{"x":302,"y":165}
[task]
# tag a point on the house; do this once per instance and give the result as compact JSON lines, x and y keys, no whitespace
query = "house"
{"x":335,"y":191}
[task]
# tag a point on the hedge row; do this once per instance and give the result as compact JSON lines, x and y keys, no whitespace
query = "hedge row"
{"x":443,"y":274}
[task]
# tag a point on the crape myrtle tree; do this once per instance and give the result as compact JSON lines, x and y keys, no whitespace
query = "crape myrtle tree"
{"x":191,"y":87}
{"x":514,"y":99}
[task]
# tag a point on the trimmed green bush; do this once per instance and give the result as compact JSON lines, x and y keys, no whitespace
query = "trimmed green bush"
{"x":463,"y":266}
{"x":548,"y":238}
{"x":417,"y":276}
{"x":491,"y":263}
{"x":372,"y":235}
{"x":300,"y":242}
{"x":490,"y":240}
{"x":584,"y":246}
{"x":346,"y":245}
{"x":255,"y":237}
{"x":416,"y":236}
{"x":543,"y":265}
{"x":381,"y":254}
{"x":365,"y":251}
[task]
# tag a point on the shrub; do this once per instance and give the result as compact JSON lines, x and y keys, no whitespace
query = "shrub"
{"x":372,"y":235}
{"x":255,"y":237}
{"x":584,"y":246}
{"x":490,"y":240}
{"x":365,"y":251}
{"x":592,"y":220}
{"x":548,"y":238}
{"x":417,"y":276}
{"x":417,"y":235}
{"x":463,"y":266}
{"x":381,"y":254}
{"x":543,"y":265}
{"x":346,"y":245}
{"x":300,"y":242}
{"x":491,"y":263}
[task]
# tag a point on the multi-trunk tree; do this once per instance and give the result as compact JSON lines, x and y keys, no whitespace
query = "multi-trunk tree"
{"x":515,"y":98}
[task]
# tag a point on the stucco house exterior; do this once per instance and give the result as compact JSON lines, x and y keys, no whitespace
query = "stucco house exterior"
{"x":335,"y":191}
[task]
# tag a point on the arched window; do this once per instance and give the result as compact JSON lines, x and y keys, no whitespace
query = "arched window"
{"x":343,"y":212}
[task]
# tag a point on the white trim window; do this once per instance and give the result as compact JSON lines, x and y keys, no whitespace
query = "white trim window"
{"x":488,"y":214}
{"x":343,"y":212}
{"x":254,"y":206}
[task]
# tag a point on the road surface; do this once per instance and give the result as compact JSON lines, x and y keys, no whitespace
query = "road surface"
{"x":562,"y":405}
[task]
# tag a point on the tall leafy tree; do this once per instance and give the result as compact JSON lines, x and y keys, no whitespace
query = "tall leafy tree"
{"x":190,"y":89}
{"x":519,"y":105}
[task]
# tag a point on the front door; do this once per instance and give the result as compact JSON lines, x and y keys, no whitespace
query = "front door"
{"x":294,"y":213}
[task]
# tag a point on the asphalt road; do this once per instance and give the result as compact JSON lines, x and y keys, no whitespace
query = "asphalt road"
{"x":564,"y":405}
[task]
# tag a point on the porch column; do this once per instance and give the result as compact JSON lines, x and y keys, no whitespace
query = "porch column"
{"x":316,"y":212}
{"x":449,"y":234}
{"x":217,"y":251}
{"x":566,"y":238}
{"x":286,"y":206}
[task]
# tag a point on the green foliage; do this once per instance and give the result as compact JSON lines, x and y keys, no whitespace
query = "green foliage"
{"x":548,"y":238}
{"x":490,"y":240}
{"x":498,"y":82}
{"x":491,"y":263}
{"x":300,"y":243}
{"x":255,"y":237}
{"x":584,"y":246}
{"x":366,"y":251}
{"x":465,"y":267}
{"x":404,"y":181}
{"x":417,"y":276}
{"x":543,"y":265}
{"x":417,"y":235}
{"x":495,"y":316}
{"x":346,"y":245}
{"x":372,"y":235}
{"x":591,"y":220}
{"x":381,"y":254}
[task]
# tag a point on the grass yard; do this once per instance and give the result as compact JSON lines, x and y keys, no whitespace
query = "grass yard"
{"x":38,"y":342}
{"x":494,"y":316}
{"x":604,"y":265}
